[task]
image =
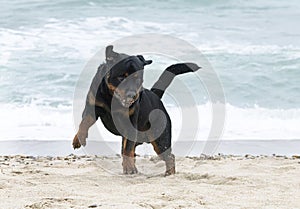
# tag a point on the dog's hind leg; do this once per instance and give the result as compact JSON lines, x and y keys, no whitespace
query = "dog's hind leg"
{"x":128,"y":154}
{"x":166,"y":156}
{"x":162,"y":147}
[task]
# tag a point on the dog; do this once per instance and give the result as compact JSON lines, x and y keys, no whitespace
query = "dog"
{"x":118,"y":98}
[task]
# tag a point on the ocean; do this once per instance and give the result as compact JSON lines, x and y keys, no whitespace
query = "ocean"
{"x":253,"y":46}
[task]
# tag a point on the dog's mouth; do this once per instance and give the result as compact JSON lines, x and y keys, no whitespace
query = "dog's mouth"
{"x":125,"y":102}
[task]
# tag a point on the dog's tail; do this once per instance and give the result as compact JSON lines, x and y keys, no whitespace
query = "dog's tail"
{"x":168,"y":75}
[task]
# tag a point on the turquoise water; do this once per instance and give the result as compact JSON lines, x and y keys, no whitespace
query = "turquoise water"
{"x":253,"y":46}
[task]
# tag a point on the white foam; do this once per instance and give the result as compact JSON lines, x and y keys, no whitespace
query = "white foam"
{"x":255,"y":123}
{"x":45,"y":123}
{"x":262,"y":123}
{"x":33,"y":122}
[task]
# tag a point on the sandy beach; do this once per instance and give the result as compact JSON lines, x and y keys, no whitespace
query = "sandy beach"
{"x":97,"y":182}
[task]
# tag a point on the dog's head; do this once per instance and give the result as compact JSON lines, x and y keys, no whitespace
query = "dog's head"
{"x":125,"y":77}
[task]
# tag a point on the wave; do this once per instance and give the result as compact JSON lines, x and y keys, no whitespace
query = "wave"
{"x":81,"y":38}
{"x":32,"y":122}
{"x":35,"y":122}
{"x":74,"y":39}
{"x":39,"y":107}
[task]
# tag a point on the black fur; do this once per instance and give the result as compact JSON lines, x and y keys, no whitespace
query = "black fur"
{"x":122,"y":76}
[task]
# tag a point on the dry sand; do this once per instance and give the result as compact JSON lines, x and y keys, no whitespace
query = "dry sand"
{"x":97,"y":182}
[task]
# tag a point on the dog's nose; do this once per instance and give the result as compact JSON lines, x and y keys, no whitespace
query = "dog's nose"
{"x":130,"y":94}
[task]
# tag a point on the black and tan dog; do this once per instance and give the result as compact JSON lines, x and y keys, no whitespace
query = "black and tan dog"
{"x":117,"y":96}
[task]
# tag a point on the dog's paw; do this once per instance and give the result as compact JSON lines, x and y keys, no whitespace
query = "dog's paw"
{"x":78,"y":141}
{"x":130,"y":170}
{"x":170,"y":171}
{"x":170,"y":165}
{"x":129,"y":165}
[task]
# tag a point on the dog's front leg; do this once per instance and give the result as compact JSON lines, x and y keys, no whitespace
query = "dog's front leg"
{"x":128,"y":150}
{"x":82,"y":134}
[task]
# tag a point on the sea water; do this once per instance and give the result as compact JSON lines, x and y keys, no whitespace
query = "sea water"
{"x":254,"y":47}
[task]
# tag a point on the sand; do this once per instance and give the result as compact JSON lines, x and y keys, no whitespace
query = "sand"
{"x":97,"y":182}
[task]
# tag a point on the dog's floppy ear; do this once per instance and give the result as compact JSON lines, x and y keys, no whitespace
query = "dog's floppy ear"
{"x":146,"y":62}
{"x":110,"y":54}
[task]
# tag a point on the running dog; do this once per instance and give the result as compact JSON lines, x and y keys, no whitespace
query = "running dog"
{"x":118,"y":97}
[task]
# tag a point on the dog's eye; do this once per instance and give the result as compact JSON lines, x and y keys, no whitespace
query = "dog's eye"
{"x":122,"y":77}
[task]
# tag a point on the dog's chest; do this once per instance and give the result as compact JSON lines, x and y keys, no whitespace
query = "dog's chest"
{"x":123,"y":121}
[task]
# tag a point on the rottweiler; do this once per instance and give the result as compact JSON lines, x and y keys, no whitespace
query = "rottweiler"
{"x":118,"y":97}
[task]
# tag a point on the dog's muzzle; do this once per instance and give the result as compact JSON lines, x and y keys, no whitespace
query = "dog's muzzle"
{"x":128,"y":99}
